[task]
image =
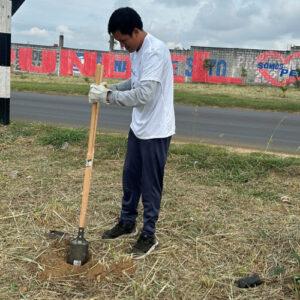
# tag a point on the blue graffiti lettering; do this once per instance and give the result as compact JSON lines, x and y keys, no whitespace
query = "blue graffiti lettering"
{"x":271,"y":66}
{"x":275,"y":66}
{"x":211,"y":65}
{"x":295,"y":73}
{"x":260,"y":65}
{"x":189,"y":65}
{"x":120,"y":66}
{"x":284,"y":72}
{"x":219,"y":65}
{"x":175,"y":65}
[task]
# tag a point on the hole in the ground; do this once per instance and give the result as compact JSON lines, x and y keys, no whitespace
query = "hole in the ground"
{"x":52,"y":266}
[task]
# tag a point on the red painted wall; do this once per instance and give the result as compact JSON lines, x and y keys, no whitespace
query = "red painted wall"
{"x":46,"y":66}
{"x":272,"y":67}
{"x":69,"y":59}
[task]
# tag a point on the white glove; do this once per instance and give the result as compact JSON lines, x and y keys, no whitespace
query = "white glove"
{"x":98,"y":92}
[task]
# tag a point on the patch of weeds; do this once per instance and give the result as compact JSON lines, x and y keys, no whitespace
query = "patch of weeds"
{"x":16,"y":130}
{"x":277,"y":270}
{"x":263,"y":234}
{"x":55,"y":88}
{"x":284,"y":90}
{"x":22,"y":130}
{"x":58,"y":136}
{"x":244,"y":74}
{"x":111,"y":147}
{"x":261,"y":192}
{"x":14,"y":287}
{"x":222,"y":165}
{"x":296,"y":256}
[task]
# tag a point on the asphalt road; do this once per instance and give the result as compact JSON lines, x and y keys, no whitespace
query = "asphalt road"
{"x":273,"y":131}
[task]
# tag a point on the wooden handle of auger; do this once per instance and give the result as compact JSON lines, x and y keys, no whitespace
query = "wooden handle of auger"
{"x":90,"y":152}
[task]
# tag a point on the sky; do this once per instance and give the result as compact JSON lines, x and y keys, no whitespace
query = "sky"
{"x":256,"y":24}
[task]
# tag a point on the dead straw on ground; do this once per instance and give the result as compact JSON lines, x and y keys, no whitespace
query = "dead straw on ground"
{"x":211,"y":231}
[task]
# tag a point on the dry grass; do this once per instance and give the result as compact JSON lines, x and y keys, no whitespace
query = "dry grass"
{"x":216,"y":225}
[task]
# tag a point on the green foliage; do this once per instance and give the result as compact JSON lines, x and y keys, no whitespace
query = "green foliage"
{"x":276,"y":271}
{"x":244,"y":73}
{"x":87,"y":79}
{"x":208,"y":63}
{"x":296,"y":256}
{"x":14,"y":286}
{"x":284,"y":90}
{"x":56,"y":136}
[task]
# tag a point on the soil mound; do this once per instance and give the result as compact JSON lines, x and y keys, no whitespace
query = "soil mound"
{"x":53,"y":266}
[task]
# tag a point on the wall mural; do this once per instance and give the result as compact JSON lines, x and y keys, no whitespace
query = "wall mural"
{"x":269,"y":67}
{"x":277,"y":69}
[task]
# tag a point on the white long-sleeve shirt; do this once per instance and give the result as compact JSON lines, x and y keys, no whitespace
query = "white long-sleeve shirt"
{"x":125,"y":96}
{"x":149,"y":91}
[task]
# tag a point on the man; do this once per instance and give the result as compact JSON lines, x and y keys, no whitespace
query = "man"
{"x":150,"y":92}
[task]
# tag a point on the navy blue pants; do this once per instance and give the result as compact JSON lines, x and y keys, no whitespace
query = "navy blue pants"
{"x":143,"y":176}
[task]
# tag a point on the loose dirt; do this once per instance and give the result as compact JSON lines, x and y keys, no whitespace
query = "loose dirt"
{"x":52,"y":266}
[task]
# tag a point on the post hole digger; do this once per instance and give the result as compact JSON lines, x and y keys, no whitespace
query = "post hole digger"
{"x":78,"y":252}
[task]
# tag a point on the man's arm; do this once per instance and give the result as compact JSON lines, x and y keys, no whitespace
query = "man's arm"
{"x":135,"y":97}
{"x":121,"y":86}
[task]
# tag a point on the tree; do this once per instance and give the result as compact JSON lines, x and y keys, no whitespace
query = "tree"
{"x":284,"y":89}
{"x":244,"y":74}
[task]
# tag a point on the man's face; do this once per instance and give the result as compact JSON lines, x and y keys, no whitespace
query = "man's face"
{"x":130,"y":42}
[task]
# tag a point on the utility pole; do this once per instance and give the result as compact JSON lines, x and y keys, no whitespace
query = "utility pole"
{"x":111,"y":43}
{"x":5,"y":49}
{"x":7,"y":10}
{"x":61,"y":41}
{"x":60,"y":46}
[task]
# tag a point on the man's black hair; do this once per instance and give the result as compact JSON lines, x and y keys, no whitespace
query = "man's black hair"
{"x":124,"y":19}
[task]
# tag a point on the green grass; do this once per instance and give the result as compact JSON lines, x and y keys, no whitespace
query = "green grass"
{"x":233,"y":101}
{"x":223,"y":166}
{"x":200,"y":94}
{"x":58,"y":136}
{"x":51,"y":88}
